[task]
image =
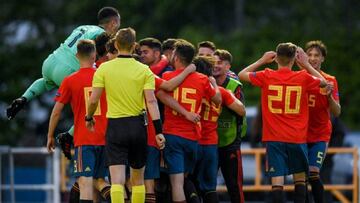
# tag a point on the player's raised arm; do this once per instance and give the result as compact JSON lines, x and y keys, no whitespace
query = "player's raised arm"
{"x":302,"y":60}
{"x":217,"y":97}
{"x":268,"y":57}
{"x":237,"y":106}
{"x":170,"y":85}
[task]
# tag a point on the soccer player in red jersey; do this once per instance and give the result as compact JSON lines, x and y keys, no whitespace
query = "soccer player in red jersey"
{"x":180,"y":150}
{"x":321,"y":104}
{"x":207,"y":163}
{"x":89,"y":146}
{"x":285,"y":114}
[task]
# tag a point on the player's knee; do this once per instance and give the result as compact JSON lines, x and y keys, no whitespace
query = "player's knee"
{"x":313,"y":176}
{"x":137,"y":176}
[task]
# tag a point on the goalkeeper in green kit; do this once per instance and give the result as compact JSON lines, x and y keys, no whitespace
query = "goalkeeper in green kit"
{"x":63,"y":62}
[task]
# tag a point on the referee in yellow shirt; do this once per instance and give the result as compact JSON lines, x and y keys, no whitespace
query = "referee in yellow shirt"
{"x":129,"y":87}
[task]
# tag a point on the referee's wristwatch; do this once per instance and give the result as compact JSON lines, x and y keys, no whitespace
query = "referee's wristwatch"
{"x":89,"y":118}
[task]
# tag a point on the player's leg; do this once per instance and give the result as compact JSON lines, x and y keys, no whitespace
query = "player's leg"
{"x":276,"y":168}
{"x":207,"y":174}
{"x":100,"y":172}
{"x":86,"y":189}
{"x":231,"y":167}
{"x":152,"y":172}
{"x":298,"y":166}
{"x":174,"y":156}
{"x":317,"y":152}
{"x":74,"y":193}
{"x":190,"y":158}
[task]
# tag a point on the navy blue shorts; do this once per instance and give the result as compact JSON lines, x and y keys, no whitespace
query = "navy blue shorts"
{"x":207,"y":167}
{"x":89,"y":161}
{"x":179,"y":154}
{"x":316,"y":153}
{"x":152,"y":167}
{"x":285,"y":158}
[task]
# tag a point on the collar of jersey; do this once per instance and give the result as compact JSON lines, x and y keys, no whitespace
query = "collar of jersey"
{"x":124,"y":56}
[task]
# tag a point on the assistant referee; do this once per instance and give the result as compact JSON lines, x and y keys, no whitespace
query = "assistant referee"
{"x":129,"y":86}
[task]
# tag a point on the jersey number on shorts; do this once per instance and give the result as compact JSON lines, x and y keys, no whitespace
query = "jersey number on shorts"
{"x":87,"y":93}
{"x":279,"y":98}
{"x":184,"y":98}
{"x":320,"y":157}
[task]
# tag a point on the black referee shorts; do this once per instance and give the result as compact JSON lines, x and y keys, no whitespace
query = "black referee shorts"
{"x":126,"y":142}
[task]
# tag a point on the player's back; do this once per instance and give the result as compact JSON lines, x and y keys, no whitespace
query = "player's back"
{"x":76,"y":89}
{"x":67,"y":50}
{"x":189,"y":94}
{"x":285,"y":103}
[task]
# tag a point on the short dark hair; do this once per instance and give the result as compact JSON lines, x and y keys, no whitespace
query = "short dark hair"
{"x":100,"y":42}
{"x":224,"y":55}
{"x":106,"y":13}
{"x":152,"y":43}
{"x":207,"y":44}
{"x":204,"y":64}
{"x":85,"y":47}
{"x":168,"y":44}
{"x":110,"y":46}
{"x":185,"y":51}
{"x":319,"y":45}
{"x":125,"y":38}
{"x":285,"y":52}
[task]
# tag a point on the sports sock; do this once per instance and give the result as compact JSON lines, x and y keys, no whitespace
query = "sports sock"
{"x":150,"y":198}
{"x":71,"y":131}
{"x":211,"y":197}
{"x":105,"y":193}
{"x":117,"y":193}
{"x":74,"y":193}
{"x":190,"y":192}
{"x":138,"y":194}
{"x":277,"y":194}
{"x":317,"y":187}
{"x":300,"y":191}
{"x":86,"y":201}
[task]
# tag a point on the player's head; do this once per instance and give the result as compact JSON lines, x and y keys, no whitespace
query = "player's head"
{"x":206,"y":48}
{"x":183,"y":54}
{"x":316,"y":50}
{"x":223,"y":60}
{"x":168,"y":47}
{"x":125,"y":40}
{"x":150,"y":49}
{"x":111,"y":50}
{"x":86,"y":51}
{"x":285,"y":54}
{"x":100,"y":42}
{"x":204,"y":64}
{"x":109,"y":19}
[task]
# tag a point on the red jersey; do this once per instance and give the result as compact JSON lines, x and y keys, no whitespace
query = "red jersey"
{"x":209,"y":116}
{"x":76,"y":89}
{"x":160,"y":66}
{"x":319,"y":112}
{"x":150,"y":127}
{"x":189,"y":94}
{"x":284,"y":103}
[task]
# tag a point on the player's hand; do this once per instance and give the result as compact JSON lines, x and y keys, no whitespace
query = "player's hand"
{"x":268,"y":57}
{"x":90,"y":125}
{"x":193,"y":117}
{"x":50,"y":145}
{"x":191,"y":68}
{"x":301,"y":58}
{"x":212,"y":81}
{"x":329,"y":88}
{"x":160,"y":141}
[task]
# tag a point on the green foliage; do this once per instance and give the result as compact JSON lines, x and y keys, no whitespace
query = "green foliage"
{"x":265,"y":24}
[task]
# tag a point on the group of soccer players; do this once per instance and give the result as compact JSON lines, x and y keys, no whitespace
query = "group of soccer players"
{"x":198,"y":124}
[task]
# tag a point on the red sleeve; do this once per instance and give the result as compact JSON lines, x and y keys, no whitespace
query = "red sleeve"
{"x":209,"y":89}
{"x":159,"y":67}
{"x":312,"y":83}
{"x":227,"y":97}
{"x":335,"y":92}
{"x":257,"y":78}
{"x":158,"y":82}
{"x":63,"y":94}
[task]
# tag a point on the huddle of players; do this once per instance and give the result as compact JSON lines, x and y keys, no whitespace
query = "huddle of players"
{"x":295,"y":112}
